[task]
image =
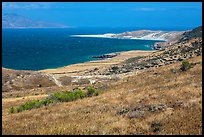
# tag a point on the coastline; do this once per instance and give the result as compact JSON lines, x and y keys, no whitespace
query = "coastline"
{"x":121,"y":56}
{"x":154,"y":46}
{"x":81,"y":67}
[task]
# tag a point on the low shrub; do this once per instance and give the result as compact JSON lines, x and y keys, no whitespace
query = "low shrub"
{"x":156,"y":126}
{"x":34,"y":104}
{"x":57,"y":97}
{"x":18,"y":96}
{"x":47,"y":101}
{"x":91,"y":91}
{"x":185,"y":65}
{"x":26,"y":106}
{"x":79,"y":94}
{"x":68,"y":96}
{"x":11,"y":110}
{"x":29,"y":105}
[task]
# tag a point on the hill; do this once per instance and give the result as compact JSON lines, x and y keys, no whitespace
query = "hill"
{"x":17,"y":21}
{"x":195,"y":33}
{"x":150,"y":35}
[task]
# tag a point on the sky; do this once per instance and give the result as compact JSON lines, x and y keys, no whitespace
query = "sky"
{"x":111,"y":14}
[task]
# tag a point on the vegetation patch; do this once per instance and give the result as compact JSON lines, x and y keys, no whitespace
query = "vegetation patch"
{"x":91,"y":92}
{"x":68,"y":96}
{"x":123,"y":111}
{"x":130,"y":60}
{"x":57,"y":97}
{"x":156,"y":126}
{"x":185,"y":65}
{"x":34,"y":104}
{"x":11,"y":110}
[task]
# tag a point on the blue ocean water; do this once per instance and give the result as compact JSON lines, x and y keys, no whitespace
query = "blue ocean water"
{"x":36,"y":49}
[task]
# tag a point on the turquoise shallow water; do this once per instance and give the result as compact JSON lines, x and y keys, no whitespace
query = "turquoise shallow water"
{"x":36,"y":49}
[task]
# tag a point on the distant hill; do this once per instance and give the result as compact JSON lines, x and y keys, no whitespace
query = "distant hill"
{"x":17,"y":21}
{"x":150,"y":35}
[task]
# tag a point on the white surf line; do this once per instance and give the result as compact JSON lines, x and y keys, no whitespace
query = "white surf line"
{"x":107,"y":35}
{"x":147,"y":37}
{"x":57,"y":82}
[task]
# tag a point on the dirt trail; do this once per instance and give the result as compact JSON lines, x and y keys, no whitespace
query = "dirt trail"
{"x":53,"y":78}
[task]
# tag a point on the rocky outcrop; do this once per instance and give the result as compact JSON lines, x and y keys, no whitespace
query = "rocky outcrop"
{"x":106,"y":56}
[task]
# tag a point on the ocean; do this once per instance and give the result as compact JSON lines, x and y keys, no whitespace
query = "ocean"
{"x":37,"y":49}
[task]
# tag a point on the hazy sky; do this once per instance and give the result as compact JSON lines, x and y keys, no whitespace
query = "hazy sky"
{"x":111,"y":14}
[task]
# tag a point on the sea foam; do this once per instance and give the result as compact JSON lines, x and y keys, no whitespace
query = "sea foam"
{"x":108,"y":35}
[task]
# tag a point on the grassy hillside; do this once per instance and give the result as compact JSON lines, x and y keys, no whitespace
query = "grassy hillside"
{"x":159,"y":101}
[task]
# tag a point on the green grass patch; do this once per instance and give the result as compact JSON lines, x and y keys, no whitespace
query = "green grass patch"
{"x":66,"y":96}
{"x":28,"y":105}
{"x":34,"y":104}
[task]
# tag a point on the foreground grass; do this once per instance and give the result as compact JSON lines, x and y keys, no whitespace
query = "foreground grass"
{"x":158,"y":101}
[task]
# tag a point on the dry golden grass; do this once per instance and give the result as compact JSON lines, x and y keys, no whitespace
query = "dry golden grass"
{"x":34,"y":92}
{"x":179,"y":92}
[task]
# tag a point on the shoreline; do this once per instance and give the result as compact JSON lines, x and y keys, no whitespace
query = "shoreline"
{"x":122,"y":55}
{"x":99,"y":63}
